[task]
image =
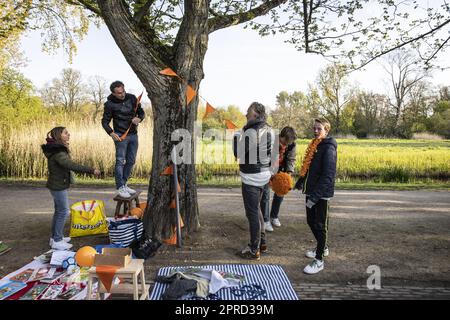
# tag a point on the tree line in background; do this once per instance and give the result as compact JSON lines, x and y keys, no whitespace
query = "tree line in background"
{"x":412,"y":105}
{"x":409,"y":105}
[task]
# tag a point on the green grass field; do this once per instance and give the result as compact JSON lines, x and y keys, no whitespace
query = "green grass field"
{"x":372,"y":163}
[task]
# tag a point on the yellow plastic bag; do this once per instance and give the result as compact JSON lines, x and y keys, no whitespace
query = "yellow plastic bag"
{"x":88,"y":218}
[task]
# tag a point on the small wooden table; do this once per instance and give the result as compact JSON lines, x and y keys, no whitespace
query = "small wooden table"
{"x":127,"y":203}
{"x":134,"y":270}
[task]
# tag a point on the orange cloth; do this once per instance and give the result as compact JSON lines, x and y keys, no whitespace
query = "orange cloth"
{"x":106,"y":275}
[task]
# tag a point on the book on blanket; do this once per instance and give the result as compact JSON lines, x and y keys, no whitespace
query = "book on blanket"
{"x":10,"y":288}
{"x":34,"y":292}
{"x":23,"y":276}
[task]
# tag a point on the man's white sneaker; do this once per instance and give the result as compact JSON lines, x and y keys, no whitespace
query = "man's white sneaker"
{"x":61,"y":245}
{"x":66,"y":239}
{"x":123,"y":192}
{"x":276,"y":222}
{"x":129,"y":190}
{"x":268,"y":226}
{"x":312,"y":253}
{"x":314,"y":267}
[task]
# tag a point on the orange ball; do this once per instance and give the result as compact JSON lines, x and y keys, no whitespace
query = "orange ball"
{"x":138,"y":212}
{"x":85,"y":256}
{"x":143,"y":205}
{"x":281,"y":183}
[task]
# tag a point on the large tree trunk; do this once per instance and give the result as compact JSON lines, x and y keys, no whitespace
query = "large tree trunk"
{"x":170,"y":110}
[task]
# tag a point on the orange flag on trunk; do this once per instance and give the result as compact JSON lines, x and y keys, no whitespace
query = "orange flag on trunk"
{"x":167,"y":171}
{"x":168,"y":72}
{"x":230,"y":125}
{"x":209,"y":109}
{"x":190,"y":94}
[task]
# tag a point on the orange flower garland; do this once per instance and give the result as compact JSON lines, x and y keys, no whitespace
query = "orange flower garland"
{"x":281,"y":183}
{"x":309,"y":155}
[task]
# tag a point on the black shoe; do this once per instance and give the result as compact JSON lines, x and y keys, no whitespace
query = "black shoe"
{"x":248,"y":254}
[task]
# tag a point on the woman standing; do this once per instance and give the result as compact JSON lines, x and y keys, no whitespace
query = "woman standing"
{"x":60,"y":165}
{"x":253,"y":148}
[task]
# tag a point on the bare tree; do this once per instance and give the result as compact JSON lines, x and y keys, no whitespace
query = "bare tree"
{"x":66,"y":92}
{"x":404,"y":75}
{"x":98,"y":92}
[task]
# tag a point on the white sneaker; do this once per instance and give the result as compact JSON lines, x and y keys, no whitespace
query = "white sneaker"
{"x":129,"y":190}
{"x":314,"y":267}
{"x":122,"y":191}
{"x":268,"y":226}
{"x":61,"y":245}
{"x":312,"y":253}
{"x":276,"y":222}
{"x":66,"y":239}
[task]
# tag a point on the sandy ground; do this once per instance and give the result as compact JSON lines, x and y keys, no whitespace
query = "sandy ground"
{"x":405,"y":233}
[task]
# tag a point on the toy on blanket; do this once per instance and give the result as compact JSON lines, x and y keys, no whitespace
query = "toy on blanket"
{"x":281,"y":183}
{"x":85,"y":256}
{"x":70,"y":265}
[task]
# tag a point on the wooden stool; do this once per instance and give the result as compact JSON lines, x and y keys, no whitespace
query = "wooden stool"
{"x":133,"y":271}
{"x":126,"y":202}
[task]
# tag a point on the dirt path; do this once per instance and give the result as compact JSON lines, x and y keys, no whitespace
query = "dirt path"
{"x":405,"y":233}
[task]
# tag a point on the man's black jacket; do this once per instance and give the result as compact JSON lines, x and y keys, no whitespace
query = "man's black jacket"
{"x":122,"y":112}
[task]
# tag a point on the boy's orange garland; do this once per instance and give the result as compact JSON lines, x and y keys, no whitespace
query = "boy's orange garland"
{"x":309,"y":155}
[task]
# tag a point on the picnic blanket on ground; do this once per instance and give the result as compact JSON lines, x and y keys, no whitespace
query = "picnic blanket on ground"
{"x":262,"y":282}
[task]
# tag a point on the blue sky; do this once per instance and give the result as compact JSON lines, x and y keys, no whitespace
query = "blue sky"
{"x":240,"y":66}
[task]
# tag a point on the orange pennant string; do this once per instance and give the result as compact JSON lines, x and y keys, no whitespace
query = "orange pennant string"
{"x":168,"y":72}
{"x":190,"y":94}
{"x":209,"y":109}
{"x":230,"y":125}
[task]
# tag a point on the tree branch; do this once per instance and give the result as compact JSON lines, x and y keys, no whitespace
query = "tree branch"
{"x":143,"y":11}
{"x":220,"y":22}
{"x":87,"y":5}
{"x":402,"y":44}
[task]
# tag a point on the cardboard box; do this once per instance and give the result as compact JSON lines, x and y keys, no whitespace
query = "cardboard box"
{"x":120,"y":257}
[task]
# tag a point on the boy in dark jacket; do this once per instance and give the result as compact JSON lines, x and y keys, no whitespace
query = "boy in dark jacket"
{"x":60,"y":165}
{"x":317,"y":178}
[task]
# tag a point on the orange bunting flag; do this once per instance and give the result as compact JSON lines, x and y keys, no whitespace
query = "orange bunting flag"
{"x":230,"y":125}
{"x":167,"y":171}
{"x":190,"y":94}
{"x":168,"y":72}
{"x":106,"y":275}
{"x":173,"y":204}
{"x":173,"y":239}
{"x":209,"y":109}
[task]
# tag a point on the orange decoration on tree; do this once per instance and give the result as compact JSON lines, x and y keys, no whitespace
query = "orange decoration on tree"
{"x":281,"y":183}
{"x":190,"y":94}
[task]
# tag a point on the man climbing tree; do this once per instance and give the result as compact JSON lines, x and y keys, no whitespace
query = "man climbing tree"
{"x":158,"y":34}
